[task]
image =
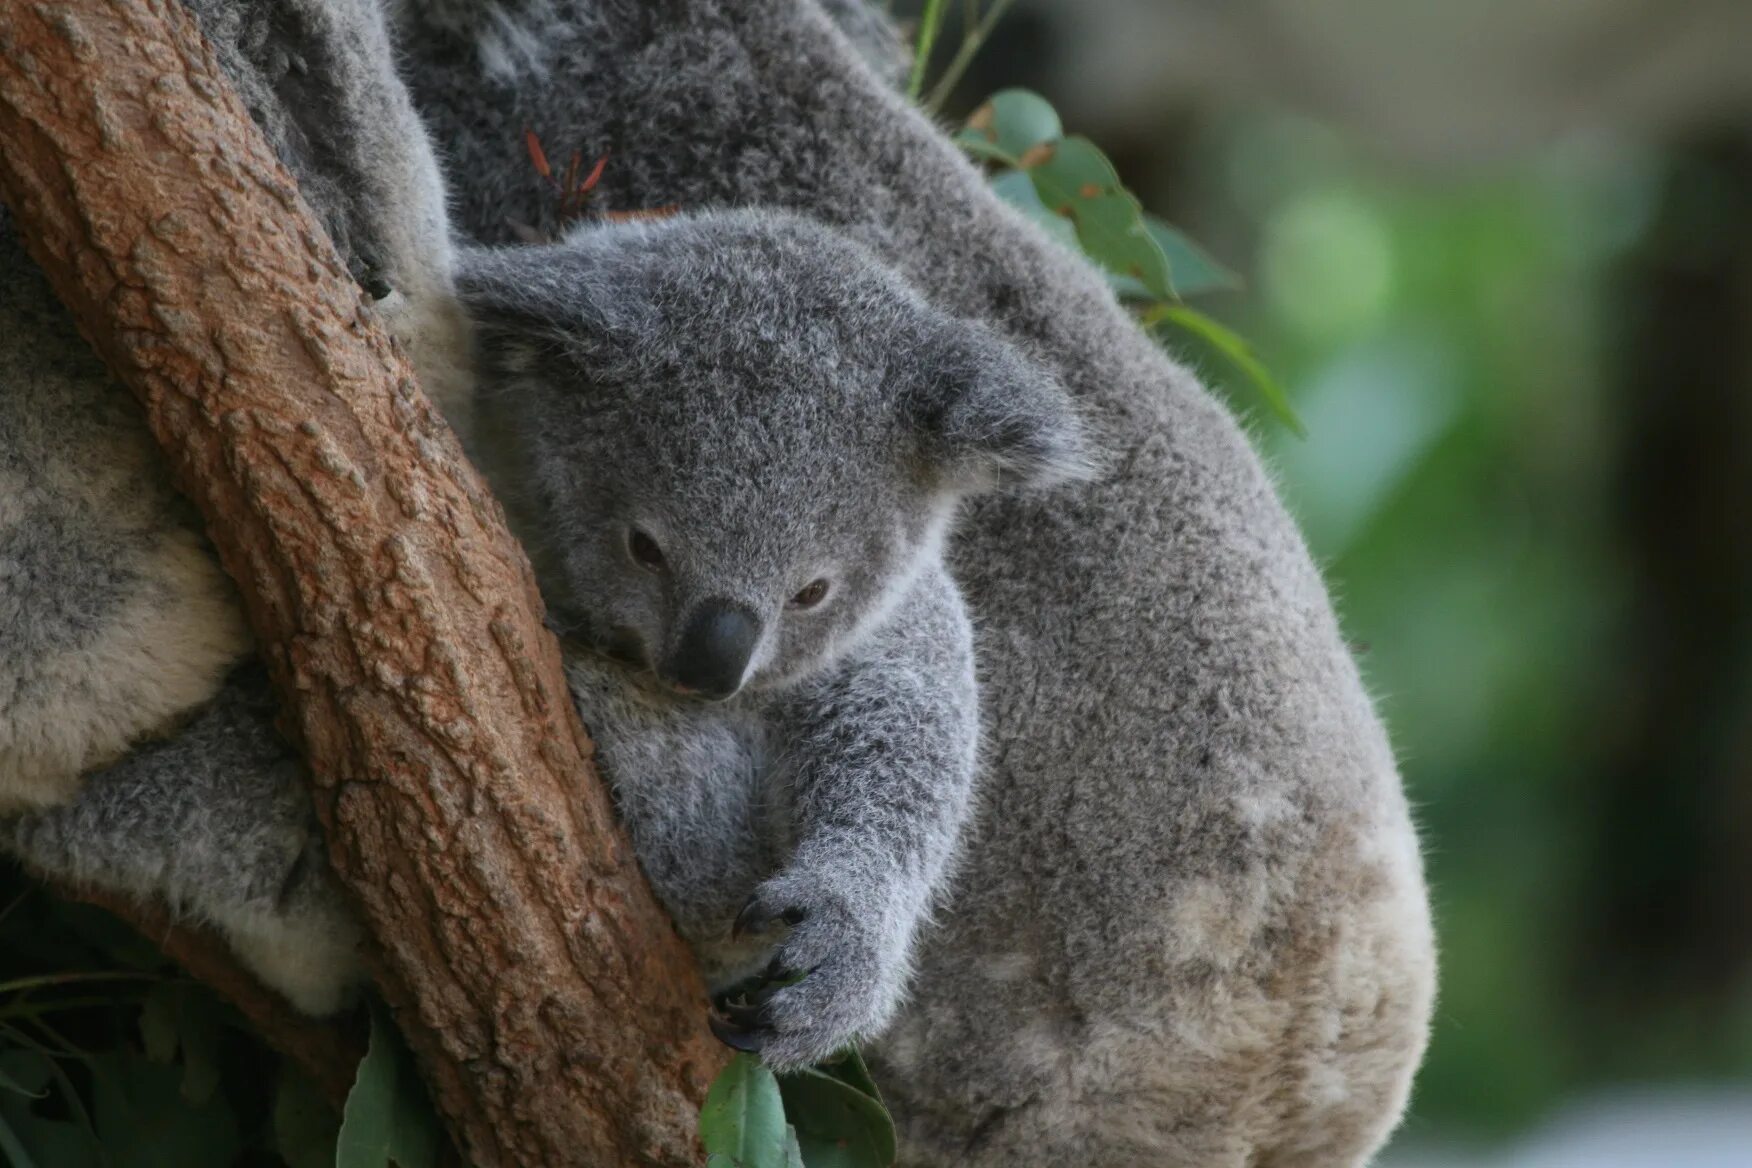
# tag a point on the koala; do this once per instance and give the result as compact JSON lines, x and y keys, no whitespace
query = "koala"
{"x":734,"y":444}
{"x":1189,"y":925}
{"x":136,"y":747}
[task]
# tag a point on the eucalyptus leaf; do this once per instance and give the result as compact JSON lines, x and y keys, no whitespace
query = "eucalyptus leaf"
{"x":838,"y":1125}
{"x":849,"y":1067}
{"x":305,"y":1126}
{"x":24,"y":1072}
{"x":1017,"y":189}
{"x":143,"y":1120}
{"x":158,"y":1022}
{"x":1228,"y":343}
{"x":1077,"y":181}
{"x":198,"y":1032}
{"x":1015,"y":121}
{"x":744,"y":1116}
{"x":983,"y":149}
{"x":387,"y":1118}
{"x":12,"y":1146}
{"x":1193,"y":269}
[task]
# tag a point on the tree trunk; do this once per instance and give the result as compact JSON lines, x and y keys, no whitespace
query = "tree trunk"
{"x":556,"y":1014}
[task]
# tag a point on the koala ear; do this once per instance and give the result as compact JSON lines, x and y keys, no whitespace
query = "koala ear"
{"x":994,"y":418}
{"x":528,"y":301}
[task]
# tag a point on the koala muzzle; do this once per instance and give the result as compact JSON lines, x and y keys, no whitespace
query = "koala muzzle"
{"x":713,"y":652}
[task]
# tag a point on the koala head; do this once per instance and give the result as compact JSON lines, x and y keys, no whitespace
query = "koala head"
{"x":731,"y":440}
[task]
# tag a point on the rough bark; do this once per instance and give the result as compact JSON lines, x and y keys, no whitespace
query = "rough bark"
{"x":558,"y":1018}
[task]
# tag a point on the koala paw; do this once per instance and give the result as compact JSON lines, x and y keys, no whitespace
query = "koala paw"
{"x":833,"y":979}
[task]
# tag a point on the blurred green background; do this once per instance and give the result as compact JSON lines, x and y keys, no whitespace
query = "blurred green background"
{"x":1501,"y":258}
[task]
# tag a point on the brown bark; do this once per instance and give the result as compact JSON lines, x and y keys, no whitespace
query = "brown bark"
{"x":558,"y":1018}
{"x":327,"y":1051}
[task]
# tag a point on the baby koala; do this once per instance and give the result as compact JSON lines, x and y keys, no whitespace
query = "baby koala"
{"x":733,"y":444}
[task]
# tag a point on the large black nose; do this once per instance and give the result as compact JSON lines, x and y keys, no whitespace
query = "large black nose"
{"x":714,"y":649}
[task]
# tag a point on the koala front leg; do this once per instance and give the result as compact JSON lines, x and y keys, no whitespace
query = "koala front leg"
{"x":874,"y":775}
{"x":216,"y":822}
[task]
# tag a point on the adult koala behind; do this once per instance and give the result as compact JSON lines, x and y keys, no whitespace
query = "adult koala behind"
{"x":734,"y":444}
{"x":1190,"y":927}
{"x":136,"y":748}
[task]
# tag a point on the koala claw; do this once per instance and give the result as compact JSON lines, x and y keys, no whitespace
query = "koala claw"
{"x":757,"y":916}
{"x":735,"y":1036}
{"x":827,"y":982}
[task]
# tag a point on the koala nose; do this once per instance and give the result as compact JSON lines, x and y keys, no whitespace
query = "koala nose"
{"x":714,"y":649}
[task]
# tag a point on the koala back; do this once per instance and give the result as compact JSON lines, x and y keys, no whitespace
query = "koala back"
{"x":117,"y":618}
{"x":118,"y":621}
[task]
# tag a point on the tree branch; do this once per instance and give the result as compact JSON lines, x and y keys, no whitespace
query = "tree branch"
{"x":557,"y":1016}
{"x":327,"y":1051}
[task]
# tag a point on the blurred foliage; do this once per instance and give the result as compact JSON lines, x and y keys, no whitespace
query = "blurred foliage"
{"x":1455,"y":350}
{"x":109,"y":1058}
{"x":1070,"y":189}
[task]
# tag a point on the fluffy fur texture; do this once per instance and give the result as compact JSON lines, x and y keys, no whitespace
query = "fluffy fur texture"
{"x":1191,"y":926}
{"x":118,"y":626}
{"x":768,"y":409}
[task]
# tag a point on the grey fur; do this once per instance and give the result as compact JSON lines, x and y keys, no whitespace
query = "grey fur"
{"x":119,"y":628}
{"x":829,"y":427}
{"x":772,"y":407}
{"x":1190,"y":927}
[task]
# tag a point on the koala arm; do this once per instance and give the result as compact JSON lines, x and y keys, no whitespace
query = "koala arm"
{"x":216,"y":820}
{"x":873,"y":781}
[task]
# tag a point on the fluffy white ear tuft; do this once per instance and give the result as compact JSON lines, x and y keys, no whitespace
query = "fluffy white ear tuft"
{"x":993,"y":417}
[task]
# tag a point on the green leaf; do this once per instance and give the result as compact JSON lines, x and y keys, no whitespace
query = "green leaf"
{"x":177,"y":1015}
{"x":984,"y":150}
{"x":388,"y":1117}
{"x":744,"y":1117}
{"x":305,"y":1126}
{"x":848,"y":1067}
{"x":1014,"y":121}
{"x":143,"y":1120}
{"x":1077,"y":181}
{"x":1192,"y":268}
{"x":1238,"y":352}
{"x":158,"y":1022}
{"x":24,"y":1072}
{"x":838,"y":1124}
{"x":12,"y":1147}
{"x":24,"y":1075}
{"x":1017,"y":189}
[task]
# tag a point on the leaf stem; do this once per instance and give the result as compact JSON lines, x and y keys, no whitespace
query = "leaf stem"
{"x":923,"y":43}
{"x":970,"y":46}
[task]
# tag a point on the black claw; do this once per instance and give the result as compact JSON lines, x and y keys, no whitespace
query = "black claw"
{"x":755,"y":917}
{"x":751,"y":919}
{"x":750,"y":1016}
{"x":737,"y":1039}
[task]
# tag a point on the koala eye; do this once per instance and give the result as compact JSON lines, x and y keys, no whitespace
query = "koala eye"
{"x":645,"y":551}
{"x":811,"y":595}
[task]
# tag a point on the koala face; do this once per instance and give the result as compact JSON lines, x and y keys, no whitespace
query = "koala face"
{"x":735,"y":438}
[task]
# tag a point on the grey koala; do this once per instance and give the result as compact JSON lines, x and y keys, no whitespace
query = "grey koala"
{"x":734,"y":444}
{"x":136,"y":747}
{"x":1190,"y":925}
